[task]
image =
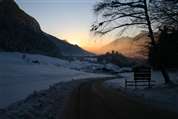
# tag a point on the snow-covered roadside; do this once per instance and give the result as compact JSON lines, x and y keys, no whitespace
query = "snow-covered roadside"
{"x":19,"y":77}
{"x":44,"y":104}
{"x":164,"y":96}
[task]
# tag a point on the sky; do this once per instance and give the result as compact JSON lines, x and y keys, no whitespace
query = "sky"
{"x":68,"y":20}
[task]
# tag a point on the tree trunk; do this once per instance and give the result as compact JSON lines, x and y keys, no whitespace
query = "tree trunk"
{"x":151,"y":34}
{"x":153,"y":43}
{"x":165,"y":75}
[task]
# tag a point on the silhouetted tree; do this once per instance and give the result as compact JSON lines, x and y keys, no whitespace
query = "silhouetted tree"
{"x":167,"y":53}
{"x":119,"y":14}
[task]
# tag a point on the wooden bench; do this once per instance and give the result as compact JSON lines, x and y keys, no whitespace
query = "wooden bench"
{"x":142,"y":77}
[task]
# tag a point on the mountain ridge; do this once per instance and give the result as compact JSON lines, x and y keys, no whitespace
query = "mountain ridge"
{"x":20,"y":32}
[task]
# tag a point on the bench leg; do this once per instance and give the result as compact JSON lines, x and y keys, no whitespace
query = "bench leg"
{"x":149,"y":84}
{"x":135,"y":84}
{"x":125,"y":83}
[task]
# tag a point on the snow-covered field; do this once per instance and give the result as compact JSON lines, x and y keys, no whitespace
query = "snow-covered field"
{"x":161,"y":95}
{"x":21,"y":75}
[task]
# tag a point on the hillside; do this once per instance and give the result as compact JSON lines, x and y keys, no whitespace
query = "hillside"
{"x":129,"y":46}
{"x":68,"y":49}
{"x":20,"y":32}
{"x":122,"y":45}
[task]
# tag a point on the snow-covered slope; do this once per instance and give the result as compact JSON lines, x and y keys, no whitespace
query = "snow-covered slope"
{"x":21,"y":74}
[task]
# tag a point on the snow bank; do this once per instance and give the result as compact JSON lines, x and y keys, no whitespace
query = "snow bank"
{"x":45,"y":104}
{"x":164,"y":96}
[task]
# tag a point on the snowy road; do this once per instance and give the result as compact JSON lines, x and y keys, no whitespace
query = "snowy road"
{"x":92,"y":101}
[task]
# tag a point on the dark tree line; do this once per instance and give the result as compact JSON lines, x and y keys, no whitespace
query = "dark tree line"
{"x":150,"y":15}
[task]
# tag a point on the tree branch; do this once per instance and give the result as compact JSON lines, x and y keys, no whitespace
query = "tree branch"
{"x":120,"y":26}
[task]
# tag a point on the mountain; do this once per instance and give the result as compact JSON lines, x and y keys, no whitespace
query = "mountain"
{"x":121,"y":45}
{"x":20,"y":32}
{"x":68,"y":49}
{"x":118,"y":42}
{"x":129,"y":46}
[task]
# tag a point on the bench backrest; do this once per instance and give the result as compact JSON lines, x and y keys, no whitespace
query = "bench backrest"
{"x":142,"y":73}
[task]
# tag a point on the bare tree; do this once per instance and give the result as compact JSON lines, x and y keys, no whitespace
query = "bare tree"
{"x":121,"y":14}
{"x":165,"y":12}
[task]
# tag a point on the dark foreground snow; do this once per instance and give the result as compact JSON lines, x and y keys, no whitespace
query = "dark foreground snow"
{"x":46,"y":104}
